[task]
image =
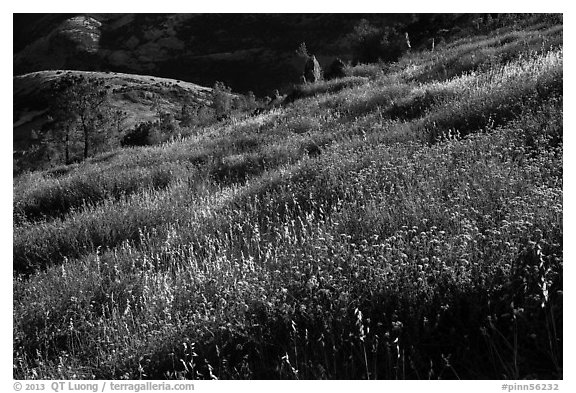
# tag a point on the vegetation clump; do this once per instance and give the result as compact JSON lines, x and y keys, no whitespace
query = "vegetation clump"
{"x":79,"y":105}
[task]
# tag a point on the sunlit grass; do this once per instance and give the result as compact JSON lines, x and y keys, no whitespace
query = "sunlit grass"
{"x":388,"y":227}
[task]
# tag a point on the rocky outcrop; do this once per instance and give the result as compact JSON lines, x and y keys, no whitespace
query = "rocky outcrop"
{"x":312,"y":70}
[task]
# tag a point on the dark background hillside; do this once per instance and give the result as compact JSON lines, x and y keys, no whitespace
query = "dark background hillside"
{"x":246,"y":51}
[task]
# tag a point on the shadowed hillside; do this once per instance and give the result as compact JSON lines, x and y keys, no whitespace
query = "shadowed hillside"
{"x":248,"y":52}
{"x":245,"y":51}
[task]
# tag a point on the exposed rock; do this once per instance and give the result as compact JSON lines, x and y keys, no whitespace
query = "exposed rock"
{"x":83,"y":32}
{"x":74,"y":42}
{"x":312,"y":70}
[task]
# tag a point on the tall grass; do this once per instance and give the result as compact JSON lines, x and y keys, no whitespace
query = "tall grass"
{"x":290,"y":262}
{"x":477,"y":53}
{"x":499,"y":95}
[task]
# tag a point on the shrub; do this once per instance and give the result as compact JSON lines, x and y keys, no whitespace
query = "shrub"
{"x":221,"y":100}
{"x":141,"y":135}
{"x":372,"y":43}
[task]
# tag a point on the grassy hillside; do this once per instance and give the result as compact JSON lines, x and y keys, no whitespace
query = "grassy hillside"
{"x":138,"y":98}
{"x":134,"y":94}
{"x":402,"y":222}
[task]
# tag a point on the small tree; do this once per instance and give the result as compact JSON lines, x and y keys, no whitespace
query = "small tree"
{"x":165,"y":122}
{"x":186,"y":115}
{"x":221,"y":100}
{"x":141,"y":135}
{"x":80,"y":104}
{"x":118,"y":119}
{"x":371,"y":43}
{"x":302,"y":51}
{"x":58,"y":131}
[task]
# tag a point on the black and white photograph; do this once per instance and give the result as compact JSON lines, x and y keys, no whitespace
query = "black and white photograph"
{"x":287,"y":196}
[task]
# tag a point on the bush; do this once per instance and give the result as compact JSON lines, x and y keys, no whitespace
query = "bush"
{"x":221,"y":100}
{"x":372,"y":43}
{"x":141,"y":135}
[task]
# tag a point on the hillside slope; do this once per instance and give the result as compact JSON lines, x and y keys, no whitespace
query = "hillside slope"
{"x":402,"y":222}
{"x":140,"y":96}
